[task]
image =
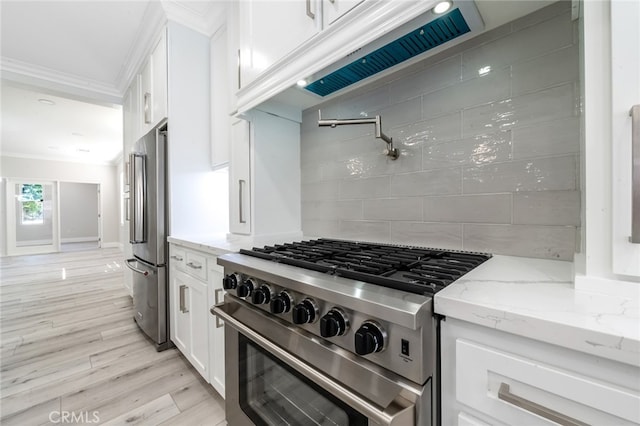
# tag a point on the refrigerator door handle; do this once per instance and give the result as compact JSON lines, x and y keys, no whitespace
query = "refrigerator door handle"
{"x":140,"y":271}
{"x":137,"y":223}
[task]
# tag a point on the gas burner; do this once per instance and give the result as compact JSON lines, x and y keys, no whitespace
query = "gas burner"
{"x":414,"y":269}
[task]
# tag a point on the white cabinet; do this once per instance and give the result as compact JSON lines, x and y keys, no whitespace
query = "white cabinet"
{"x":264,"y":181}
{"x":334,"y":9}
{"x":216,"y":330}
{"x":220,"y":99}
{"x":270,"y":29}
{"x":491,"y":377}
{"x":188,"y":307}
{"x":240,"y":178}
{"x":196,"y":285}
{"x":153,"y":82}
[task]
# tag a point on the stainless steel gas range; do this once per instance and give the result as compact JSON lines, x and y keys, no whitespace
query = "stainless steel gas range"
{"x":333,"y":332}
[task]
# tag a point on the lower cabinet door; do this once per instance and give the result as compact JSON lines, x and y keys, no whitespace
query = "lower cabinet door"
{"x":199,"y":353}
{"x":180,"y":316}
{"x":216,"y":330}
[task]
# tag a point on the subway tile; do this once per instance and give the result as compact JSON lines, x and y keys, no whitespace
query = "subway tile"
{"x":545,"y":71}
{"x":375,"y":231}
{"x":321,"y":228}
{"x":541,"y":15}
{"x":437,"y":235}
{"x":486,"y":208}
{"x":433,"y":182}
{"x":318,"y":148}
{"x":391,"y":209}
{"x":548,"y":138}
{"x":545,"y":105}
{"x":443,"y":128}
{"x":373,"y":187}
{"x":434,"y":77}
{"x":364,"y":105}
{"x":529,"y":42}
{"x":377,"y":164}
{"x":550,"y":242}
{"x":362,"y":145}
{"x":547,"y":208}
{"x":405,"y":112}
{"x":493,"y":87}
{"x":349,"y":209}
{"x":320,"y":191}
{"x":478,"y":150}
{"x":540,"y":174}
{"x":310,"y":173}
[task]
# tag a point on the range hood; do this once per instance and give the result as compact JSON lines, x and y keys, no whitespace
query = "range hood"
{"x":428,"y":33}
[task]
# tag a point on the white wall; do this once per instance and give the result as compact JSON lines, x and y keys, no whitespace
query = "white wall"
{"x":78,"y":212}
{"x":105,"y":175}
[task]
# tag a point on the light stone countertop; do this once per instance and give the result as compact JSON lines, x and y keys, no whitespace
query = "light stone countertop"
{"x":536,"y":298}
{"x":533,"y":298}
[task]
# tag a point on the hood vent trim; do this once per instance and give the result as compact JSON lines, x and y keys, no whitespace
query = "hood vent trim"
{"x":435,"y":33}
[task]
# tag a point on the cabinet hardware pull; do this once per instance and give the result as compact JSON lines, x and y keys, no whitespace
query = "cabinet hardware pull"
{"x":635,"y":174}
{"x":183,"y":307}
{"x":310,"y":14}
{"x":216,"y":300}
{"x":542,"y":411}
{"x":239,"y":71}
{"x":194,"y":266}
{"x":178,"y":258}
{"x":147,"y":107}
{"x":241,"y":184}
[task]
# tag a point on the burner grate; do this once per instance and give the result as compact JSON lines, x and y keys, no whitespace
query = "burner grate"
{"x":414,"y":269}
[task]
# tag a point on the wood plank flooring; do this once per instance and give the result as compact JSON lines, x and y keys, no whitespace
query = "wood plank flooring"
{"x":69,"y":345}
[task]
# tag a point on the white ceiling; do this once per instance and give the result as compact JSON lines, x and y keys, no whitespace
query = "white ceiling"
{"x":81,"y":54}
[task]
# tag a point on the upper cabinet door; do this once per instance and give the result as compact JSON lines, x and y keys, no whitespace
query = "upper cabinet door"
{"x":159,"y":84}
{"x":625,"y":93}
{"x":271,"y":29}
{"x":334,"y":9}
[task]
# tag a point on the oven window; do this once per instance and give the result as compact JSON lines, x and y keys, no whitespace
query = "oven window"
{"x":271,"y":393}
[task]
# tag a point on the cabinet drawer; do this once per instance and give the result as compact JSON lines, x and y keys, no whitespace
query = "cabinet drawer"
{"x":196,"y":264}
{"x":177,"y":256}
{"x":514,"y":390}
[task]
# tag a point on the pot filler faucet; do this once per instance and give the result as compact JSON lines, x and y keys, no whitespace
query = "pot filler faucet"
{"x":377,"y":121}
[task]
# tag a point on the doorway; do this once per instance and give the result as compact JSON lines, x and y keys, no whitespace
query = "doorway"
{"x":32,"y":217}
{"x":51,"y":216}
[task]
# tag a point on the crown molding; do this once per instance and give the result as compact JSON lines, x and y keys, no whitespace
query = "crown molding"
{"x":59,"y":159}
{"x":152,"y":24}
{"x":205,"y":21}
{"x":39,"y":76}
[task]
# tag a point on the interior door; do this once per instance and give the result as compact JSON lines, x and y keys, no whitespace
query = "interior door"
{"x":32,"y":217}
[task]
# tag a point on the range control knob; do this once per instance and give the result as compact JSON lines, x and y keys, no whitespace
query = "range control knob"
{"x":261,"y":296}
{"x":334,"y":323}
{"x":369,"y":338}
{"x":231,"y":281}
{"x":305,"y":312}
{"x":281,"y":303}
{"x":246,"y":288}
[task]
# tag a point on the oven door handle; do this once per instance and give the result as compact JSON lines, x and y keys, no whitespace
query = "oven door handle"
{"x":399,"y":413}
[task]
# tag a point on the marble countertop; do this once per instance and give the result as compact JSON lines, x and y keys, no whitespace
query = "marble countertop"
{"x":536,"y":298}
{"x":533,"y":298}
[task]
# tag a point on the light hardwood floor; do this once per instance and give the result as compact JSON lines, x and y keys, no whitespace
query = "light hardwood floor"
{"x":68,"y":344}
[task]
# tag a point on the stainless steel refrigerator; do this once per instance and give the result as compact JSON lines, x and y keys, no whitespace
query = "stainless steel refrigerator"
{"x":148,"y":235}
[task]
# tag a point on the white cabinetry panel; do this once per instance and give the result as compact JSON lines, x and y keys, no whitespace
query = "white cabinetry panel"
{"x":334,"y":9}
{"x":240,"y":178}
{"x":270,"y":29}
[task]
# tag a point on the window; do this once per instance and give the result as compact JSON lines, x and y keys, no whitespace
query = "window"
{"x":32,"y":200}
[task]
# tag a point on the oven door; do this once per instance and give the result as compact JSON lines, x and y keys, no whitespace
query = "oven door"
{"x":291,"y":378}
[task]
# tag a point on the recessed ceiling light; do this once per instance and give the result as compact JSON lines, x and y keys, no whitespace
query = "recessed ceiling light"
{"x":77,"y":134}
{"x":302,"y":83}
{"x":53,"y":147}
{"x":46,"y":101}
{"x":441,"y":7}
{"x":84,"y":150}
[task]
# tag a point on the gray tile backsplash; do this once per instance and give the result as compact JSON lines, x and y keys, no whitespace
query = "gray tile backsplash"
{"x":489,"y":146}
